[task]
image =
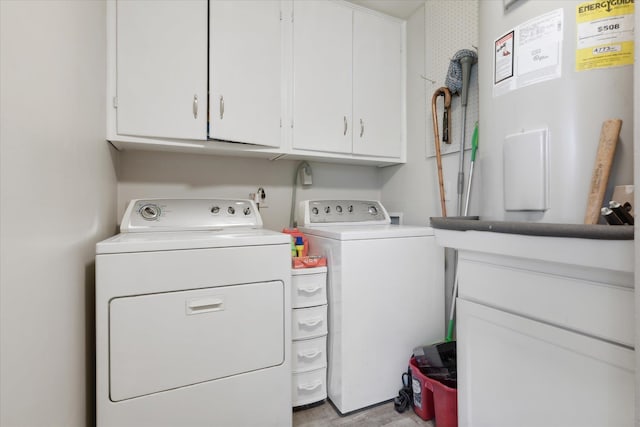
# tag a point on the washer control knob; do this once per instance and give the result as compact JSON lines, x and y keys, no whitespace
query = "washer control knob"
{"x":247,"y":210}
{"x":150,"y":212}
{"x":315,"y":210}
{"x":339,"y":209}
{"x":373,"y":210}
{"x":350,"y":208}
{"x":231,"y":210}
{"x":215,"y":210}
{"x":327,"y":209}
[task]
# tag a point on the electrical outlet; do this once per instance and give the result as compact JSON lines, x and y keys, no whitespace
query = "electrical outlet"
{"x":260,"y":197}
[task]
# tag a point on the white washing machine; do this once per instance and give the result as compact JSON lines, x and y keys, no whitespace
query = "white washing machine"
{"x":385,"y":292}
{"x":193,"y":318}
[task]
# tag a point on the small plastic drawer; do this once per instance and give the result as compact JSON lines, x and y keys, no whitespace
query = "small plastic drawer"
{"x":309,"y":322}
{"x":309,"y":287}
{"x":309,"y":387}
{"x":308,"y":355}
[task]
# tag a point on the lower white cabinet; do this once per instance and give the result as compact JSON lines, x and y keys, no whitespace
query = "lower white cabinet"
{"x":309,"y":335}
{"x":515,"y":371}
{"x":545,"y":330}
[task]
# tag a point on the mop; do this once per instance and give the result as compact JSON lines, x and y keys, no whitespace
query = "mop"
{"x":457,"y":81}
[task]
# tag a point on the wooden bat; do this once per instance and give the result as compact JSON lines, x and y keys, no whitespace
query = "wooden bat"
{"x":604,"y":159}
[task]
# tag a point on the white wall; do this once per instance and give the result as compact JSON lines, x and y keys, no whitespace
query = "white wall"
{"x":409,"y":188}
{"x":146,"y":174}
{"x":435,"y":33}
{"x":57,"y":199}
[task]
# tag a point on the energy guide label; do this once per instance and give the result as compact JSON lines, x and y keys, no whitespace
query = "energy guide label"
{"x":604,"y":34}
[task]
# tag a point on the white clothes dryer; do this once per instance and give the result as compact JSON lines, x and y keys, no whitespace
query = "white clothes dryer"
{"x":193,"y":317}
{"x":385,"y":291}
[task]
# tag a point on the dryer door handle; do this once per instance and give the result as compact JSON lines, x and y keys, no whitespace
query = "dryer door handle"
{"x":204,"y":305}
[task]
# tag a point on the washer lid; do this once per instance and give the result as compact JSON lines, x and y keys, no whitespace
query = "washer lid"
{"x":179,"y":240}
{"x":358,"y":232}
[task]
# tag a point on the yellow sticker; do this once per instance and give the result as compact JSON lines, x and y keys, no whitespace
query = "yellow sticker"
{"x":604,"y":34}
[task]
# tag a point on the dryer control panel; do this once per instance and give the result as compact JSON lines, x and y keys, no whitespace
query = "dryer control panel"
{"x":189,"y":214}
{"x":336,"y":212}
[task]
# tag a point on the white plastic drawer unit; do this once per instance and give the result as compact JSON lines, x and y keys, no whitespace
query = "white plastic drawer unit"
{"x":205,"y":331}
{"x":309,"y":387}
{"x":309,"y":287}
{"x":307,"y":355}
{"x":309,"y":322}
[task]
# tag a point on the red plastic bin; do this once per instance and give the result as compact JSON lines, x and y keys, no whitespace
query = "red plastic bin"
{"x":432,"y":399}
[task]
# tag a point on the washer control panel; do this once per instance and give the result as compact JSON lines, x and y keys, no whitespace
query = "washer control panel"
{"x":189,"y":214}
{"x":334,"y":212}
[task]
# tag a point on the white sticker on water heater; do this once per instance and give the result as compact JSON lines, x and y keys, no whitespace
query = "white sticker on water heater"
{"x":536,"y":53}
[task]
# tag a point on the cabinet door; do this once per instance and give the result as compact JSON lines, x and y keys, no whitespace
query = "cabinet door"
{"x":162,"y":68}
{"x":514,"y":371}
{"x":245,"y":71}
{"x":377,"y":85}
{"x":322,"y":47}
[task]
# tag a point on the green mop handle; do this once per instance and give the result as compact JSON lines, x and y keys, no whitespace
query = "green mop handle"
{"x":451,"y":325}
{"x":474,"y":149}
{"x":474,"y":143}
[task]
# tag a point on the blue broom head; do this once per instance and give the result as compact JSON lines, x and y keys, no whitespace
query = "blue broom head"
{"x":454,"y":75}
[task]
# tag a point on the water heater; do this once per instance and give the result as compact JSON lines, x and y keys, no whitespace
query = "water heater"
{"x":550,"y":73}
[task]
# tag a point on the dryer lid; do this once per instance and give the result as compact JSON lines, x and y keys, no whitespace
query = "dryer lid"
{"x":181,"y":240}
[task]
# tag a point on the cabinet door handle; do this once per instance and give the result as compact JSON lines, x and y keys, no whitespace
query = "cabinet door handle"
{"x":345,"y":125}
{"x":361,"y":128}
{"x":221,"y":107}
{"x":195,"y":106}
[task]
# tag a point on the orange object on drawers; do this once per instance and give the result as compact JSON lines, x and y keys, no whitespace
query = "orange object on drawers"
{"x":309,"y":262}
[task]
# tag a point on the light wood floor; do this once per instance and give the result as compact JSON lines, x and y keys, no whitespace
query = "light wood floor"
{"x":383,"y":415}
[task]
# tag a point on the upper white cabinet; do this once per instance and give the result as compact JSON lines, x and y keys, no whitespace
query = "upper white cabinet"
{"x":322,"y":76}
{"x":377,"y":85}
{"x":347,"y":80}
{"x":161,"y":68}
{"x":245,"y":74}
{"x":299,"y":79}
